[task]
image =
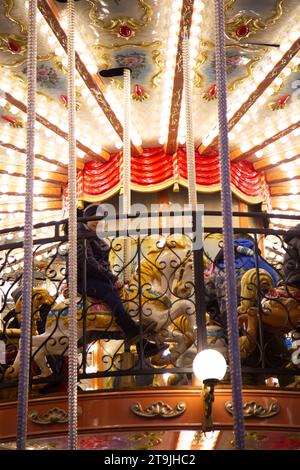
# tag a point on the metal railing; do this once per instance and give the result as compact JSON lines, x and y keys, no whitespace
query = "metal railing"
{"x":175,"y":297}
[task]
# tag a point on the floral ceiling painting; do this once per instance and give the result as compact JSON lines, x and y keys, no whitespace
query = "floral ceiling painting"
{"x":239,"y":64}
{"x":145,"y":60}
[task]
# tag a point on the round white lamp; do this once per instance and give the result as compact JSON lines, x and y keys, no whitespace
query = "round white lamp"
{"x":209,"y":366}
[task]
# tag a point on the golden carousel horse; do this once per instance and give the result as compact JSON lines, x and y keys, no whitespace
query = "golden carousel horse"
{"x":40,"y":298}
{"x":280,"y":308}
{"x":154,"y":295}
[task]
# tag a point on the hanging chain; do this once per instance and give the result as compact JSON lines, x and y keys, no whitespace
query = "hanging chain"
{"x":72,"y":385}
{"x":126,"y":170}
{"x":230,"y":284}
{"x":190,"y":149}
{"x":25,"y":341}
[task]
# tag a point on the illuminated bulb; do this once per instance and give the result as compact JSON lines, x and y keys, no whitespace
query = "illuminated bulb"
{"x":245,"y":147}
{"x":137,"y":141}
{"x":246,"y":119}
{"x":259,"y":154}
{"x":281,"y":126}
{"x":290,"y":174}
{"x":6,"y":86}
{"x":283,"y":206}
{"x":256,"y":140}
{"x":269,"y":91}
{"x":14,"y":110}
{"x":287,"y":71}
{"x":44,"y":175}
{"x":293,"y":36}
{"x":261,"y":100}
{"x":284,"y":47}
{"x":294,"y":119}
{"x":278,"y":81}
{"x":294,"y":190}
{"x":10,"y":169}
{"x":289,"y":154}
{"x":44,"y":28}
{"x":284,"y":139}
{"x":162,"y":140}
{"x":85,"y":92}
{"x":92,"y":68}
{"x":274,"y":160}
{"x":90,"y":101}
{"x":59,"y":51}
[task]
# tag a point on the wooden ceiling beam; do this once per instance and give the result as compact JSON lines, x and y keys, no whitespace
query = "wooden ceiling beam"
{"x":255,"y":95}
{"x":79,"y":164}
{"x":265,"y":164}
{"x":176,"y":100}
{"x":284,"y":190}
{"x":92,"y":81}
{"x":38,"y":156}
{"x":284,"y":204}
{"x":238,"y":155}
{"x":19,"y":190}
{"x":278,"y":176}
{"x":42,"y":175}
{"x":20,"y":206}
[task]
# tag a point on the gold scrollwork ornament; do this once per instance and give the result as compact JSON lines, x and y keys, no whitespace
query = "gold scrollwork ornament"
{"x":128,"y":24}
{"x":53,"y":416}
{"x":255,"y":410}
{"x":159,"y":409}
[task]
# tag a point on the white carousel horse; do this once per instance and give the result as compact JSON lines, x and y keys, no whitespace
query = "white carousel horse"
{"x":158,"y":270}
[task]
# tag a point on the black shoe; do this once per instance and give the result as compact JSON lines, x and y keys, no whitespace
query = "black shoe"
{"x":147,"y":330}
{"x":150,"y":349}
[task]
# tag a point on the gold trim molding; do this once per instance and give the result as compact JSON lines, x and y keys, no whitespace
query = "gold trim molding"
{"x":53,"y":416}
{"x":8,"y":8}
{"x":255,"y":410}
{"x":157,"y":57}
{"x":113,"y":25}
{"x":253,"y":23}
{"x":159,"y":409}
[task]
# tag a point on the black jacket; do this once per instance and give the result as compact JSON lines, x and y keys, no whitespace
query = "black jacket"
{"x":97,"y":258}
{"x":291,"y":261}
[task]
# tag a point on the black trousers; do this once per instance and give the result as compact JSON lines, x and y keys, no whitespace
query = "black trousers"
{"x":109,"y":294}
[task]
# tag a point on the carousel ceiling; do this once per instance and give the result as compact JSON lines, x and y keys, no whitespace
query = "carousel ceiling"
{"x":263,"y":71}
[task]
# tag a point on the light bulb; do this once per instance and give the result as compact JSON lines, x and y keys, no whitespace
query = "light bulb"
{"x":209,"y":364}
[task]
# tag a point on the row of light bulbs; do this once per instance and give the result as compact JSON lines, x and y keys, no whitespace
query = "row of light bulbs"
{"x":171,"y":49}
{"x":261,"y":69}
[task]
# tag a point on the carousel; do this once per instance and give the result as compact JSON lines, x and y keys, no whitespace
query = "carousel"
{"x":149,"y":225}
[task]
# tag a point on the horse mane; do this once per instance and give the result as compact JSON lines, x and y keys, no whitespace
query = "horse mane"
{"x":150,"y":266}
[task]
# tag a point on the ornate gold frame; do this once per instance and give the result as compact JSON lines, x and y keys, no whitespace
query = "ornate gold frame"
{"x":203,"y":56}
{"x":113,"y":25}
{"x":157,"y":57}
{"x":253,"y":23}
{"x":8,"y":8}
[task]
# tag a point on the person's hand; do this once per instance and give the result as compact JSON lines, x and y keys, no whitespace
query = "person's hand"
{"x":119,"y":284}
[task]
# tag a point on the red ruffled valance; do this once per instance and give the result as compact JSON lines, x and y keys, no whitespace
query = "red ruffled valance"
{"x":154,"y":168}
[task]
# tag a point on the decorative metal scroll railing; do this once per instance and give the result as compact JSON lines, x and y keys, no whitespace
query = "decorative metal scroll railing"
{"x":175,"y":296}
